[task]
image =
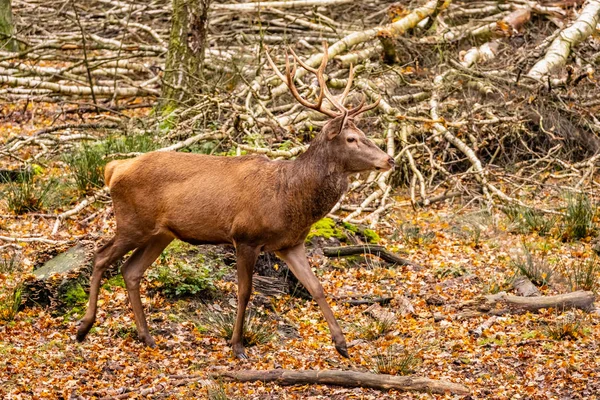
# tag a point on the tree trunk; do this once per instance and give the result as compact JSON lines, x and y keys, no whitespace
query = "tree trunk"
{"x":6,"y":27}
{"x":183,"y":69}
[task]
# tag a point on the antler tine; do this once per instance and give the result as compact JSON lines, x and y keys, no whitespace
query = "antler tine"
{"x":318,"y":72}
{"x":321,"y":79}
{"x":288,"y":79}
{"x":361,"y":108}
{"x":348,"y":85}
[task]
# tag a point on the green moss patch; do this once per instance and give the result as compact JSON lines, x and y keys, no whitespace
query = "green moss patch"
{"x":326,"y":229}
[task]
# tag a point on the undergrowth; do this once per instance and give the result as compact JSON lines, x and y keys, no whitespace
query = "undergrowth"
{"x":583,"y":274}
{"x":376,"y":328}
{"x":218,"y":323}
{"x":537,"y":270}
{"x":28,"y":194}
{"x":396,"y":360}
{"x":10,"y":303}
{"x":578,"y":222}
{"x":570,"y":326}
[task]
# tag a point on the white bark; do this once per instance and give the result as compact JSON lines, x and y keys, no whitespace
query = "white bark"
{"x":76,"y":90}
{"x":395,"y":28}
{"x":559,"y":50}
{"x":277,"y":4}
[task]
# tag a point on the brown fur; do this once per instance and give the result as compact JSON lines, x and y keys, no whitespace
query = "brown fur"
{"x":250,"y":201}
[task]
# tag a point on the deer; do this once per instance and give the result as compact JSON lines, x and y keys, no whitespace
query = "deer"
{"x":251,"y":202}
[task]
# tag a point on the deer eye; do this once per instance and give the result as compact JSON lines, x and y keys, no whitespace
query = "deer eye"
{"x":351,"y":140}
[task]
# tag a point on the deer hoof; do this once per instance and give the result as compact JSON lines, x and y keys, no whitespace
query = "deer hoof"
{"x":83,"y":327}
{"x":149,"y":341}
{"x":240,"y":352}
{"x":342,"y":349}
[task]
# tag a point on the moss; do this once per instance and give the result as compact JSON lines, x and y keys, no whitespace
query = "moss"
{"x":371,"y":236}
{"x":326,"y":229}
{"x":115,"y":281}
{"x":350,"y":227}
{"x":74,"y":295}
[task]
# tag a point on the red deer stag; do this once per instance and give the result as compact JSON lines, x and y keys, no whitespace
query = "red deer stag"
{"x":252,"y":202}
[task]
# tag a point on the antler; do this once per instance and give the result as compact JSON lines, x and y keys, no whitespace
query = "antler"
{"x":289,"y":81}
{"x":336,"y":101}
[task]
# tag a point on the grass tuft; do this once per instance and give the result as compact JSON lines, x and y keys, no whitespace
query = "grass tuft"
{"x":537,"y":271}
{"x":578,"y":222}
{"x":10,"y":304}
{"x":525,"y":220}
{"x":256,"y":331}
{"x":376,"y":328}
{"x":583,"y":275}
{"x":27,"y":195}
{"x":87,"y":166}
{"x":396,"y":360}
{"x":571,"y":326}
{"x":9,"y":262}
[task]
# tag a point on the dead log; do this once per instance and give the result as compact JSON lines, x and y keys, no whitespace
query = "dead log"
{"x":379,"y":251}
{"x":269,"y":286}
{"x":346,"y":378}
{"x":360,"y":301}
{"x":503,"y":303}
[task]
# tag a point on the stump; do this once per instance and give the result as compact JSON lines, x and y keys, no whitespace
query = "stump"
{"x":54,"y":283}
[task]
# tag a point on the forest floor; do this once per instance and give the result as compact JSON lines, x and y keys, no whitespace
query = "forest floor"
{"x":464,"y":251}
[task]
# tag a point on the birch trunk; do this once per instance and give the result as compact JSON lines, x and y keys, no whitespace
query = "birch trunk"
{"x":559,"y":50}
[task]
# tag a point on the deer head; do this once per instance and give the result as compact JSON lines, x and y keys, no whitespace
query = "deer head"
{"x":342,"y":138}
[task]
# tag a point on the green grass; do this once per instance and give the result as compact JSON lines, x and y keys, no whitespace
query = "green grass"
{"x":88,"y":160}
{"x":525,"y":220}
{"x":376,"y":328}
{"x":584,"y":274}
{"x":87,"y":166}
{"x":396,"y":360}
{"x":10,"y":304}
{"x":256,"y":330}
{"x":9,"y":262}
{"x":28,"y":194}
{"x":578,"y":222}
{"x":536,"y":270}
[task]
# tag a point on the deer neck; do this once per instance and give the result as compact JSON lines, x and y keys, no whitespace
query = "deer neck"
{"x":318,"y":182}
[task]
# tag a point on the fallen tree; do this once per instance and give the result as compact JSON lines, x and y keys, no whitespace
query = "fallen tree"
{"x":347,"y":378}
{"x":503,"y":303}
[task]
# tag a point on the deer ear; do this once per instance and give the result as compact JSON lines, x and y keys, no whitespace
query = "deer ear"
{"x":335,"y":126}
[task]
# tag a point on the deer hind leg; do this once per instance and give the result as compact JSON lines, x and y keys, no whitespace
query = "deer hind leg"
{"x":246,"y":258}
{"x":107,"y":255}
{"x":295,"y":258}
{"x":133,"y":271}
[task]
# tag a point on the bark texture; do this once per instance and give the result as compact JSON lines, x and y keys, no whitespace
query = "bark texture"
{"x":348,"y":378}
{"x":6,"y":27}
{"x":503,"y":303}
{"x":185,"y":57}
{"x":559,"y":50}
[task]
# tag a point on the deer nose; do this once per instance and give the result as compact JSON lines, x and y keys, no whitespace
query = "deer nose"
{"x":391,"y":162}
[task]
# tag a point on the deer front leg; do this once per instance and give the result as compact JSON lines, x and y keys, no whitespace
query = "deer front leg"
{"x":246,"y":258}
{"x":133,"y":271}
{"x":295,"y":258}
